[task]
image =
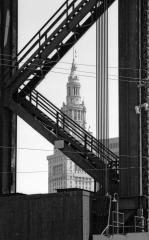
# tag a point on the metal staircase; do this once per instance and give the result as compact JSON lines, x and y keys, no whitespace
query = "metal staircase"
{"x":52,"y":41}
{"x":79,"y":145}
{"x":34,"y":61}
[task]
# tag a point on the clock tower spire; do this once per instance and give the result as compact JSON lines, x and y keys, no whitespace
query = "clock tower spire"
{"x":74,"y":107}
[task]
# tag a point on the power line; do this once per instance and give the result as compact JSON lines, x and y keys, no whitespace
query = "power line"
{"x":56,"y":61}
{"x":67,"y":69}
{"x":76,"y":172}
{"x":82,"y":64}
{"x":38,"y":65}
{"x":119,"y":78}
{"x":46,"y":71}
{"x":48,"y":150}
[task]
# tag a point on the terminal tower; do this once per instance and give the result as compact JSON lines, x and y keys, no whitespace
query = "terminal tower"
{"x":62,"y":172}
{"x":74,"y":107}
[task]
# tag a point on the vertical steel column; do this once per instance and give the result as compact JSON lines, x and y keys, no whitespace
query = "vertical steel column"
{"x":145,"y":90}
{"x":145,"y":98}
{"x":128,"y":97}
{"x":8,"y":120}
{"x":133,"y":90}
{"x":102,"y":88}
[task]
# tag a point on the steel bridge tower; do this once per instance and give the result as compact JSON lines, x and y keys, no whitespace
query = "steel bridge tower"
{"x":133,"y":91}
{"x":8,"y":120}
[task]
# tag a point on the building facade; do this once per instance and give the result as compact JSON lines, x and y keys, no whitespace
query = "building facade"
{"x":62,"y":172}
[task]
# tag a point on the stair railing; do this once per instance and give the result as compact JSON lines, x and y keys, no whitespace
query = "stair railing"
{"x":50,"y":30}
{"x":41,"y":36}
{"x":67,"y":124}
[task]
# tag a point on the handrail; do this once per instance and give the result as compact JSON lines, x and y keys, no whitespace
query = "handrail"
{"x":74,"y":123}
{"x":69,"y":119}
{"x":41,"y":28}
{"x":66,"y":122}
{"x":46,"y":28}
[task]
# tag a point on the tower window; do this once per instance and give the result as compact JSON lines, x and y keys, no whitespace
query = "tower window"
{"x":74,"y":90}
{"x":68,"y":91}
{"x":79,"y":115}
{"x":75,"y":114}
{"x":70,"y":113}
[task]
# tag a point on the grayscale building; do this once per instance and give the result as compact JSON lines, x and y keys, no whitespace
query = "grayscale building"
{"x":63,"y":173}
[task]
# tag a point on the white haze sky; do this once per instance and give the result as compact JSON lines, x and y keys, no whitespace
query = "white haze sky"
{"x":32,"y":166}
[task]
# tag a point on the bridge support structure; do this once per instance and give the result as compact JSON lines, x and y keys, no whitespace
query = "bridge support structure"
{"x":133,"y":94}
{"x":8,"y":120}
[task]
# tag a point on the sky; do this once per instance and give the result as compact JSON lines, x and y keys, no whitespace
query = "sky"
{"x":32,"y":166}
